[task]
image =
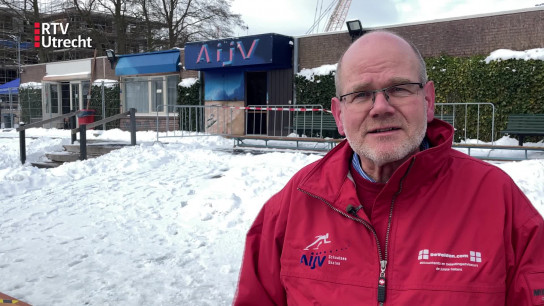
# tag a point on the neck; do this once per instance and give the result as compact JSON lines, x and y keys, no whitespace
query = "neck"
{"x":381,"y":173}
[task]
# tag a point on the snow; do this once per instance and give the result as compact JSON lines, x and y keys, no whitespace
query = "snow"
{"x":31,"y":85}
{"x":107,"y":82}
{"x":506,"y":54}
{"x":322,"y":70}
{"x":188,"y":82}
{"x":156,"y":223}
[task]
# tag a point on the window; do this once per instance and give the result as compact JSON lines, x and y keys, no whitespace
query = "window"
{"x":150,"y":94}
{"x":137,"y":94}
{"x":156,"y":95}
{"x":172,"y":92}
{"x":54,"y":99}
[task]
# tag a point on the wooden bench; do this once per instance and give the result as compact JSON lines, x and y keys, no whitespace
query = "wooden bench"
{"x":525,"y":125}
{"x":315,"y":125}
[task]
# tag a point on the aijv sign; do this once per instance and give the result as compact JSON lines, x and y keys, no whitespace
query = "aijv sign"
{"x":268,"y":50}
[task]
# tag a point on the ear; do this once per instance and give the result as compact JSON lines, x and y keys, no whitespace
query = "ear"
{"x":428,"y":89}
{"x":336,"y":112}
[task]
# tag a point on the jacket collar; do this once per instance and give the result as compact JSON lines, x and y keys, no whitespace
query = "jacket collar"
{"x":327,"y":179}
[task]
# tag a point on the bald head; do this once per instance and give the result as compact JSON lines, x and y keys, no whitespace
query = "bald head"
{"x":377,"y":38}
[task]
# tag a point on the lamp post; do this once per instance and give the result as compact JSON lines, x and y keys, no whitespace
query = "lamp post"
{"x":17,"y":40}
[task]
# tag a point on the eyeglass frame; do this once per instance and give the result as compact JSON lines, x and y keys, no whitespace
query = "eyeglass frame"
{"x":383,"y":90}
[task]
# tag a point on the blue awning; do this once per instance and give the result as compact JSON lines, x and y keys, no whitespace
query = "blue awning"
{"x":145,"y":63}
{"x":10,"y":87}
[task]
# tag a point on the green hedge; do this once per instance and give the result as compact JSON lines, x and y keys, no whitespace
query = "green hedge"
{"x":189,"y":95}
{"x":112,"y":100}
{"x":513,"y":86}
{"x":320,"y":90}
{"x":30,"y":102}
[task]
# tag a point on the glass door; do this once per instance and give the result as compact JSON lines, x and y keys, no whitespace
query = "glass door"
{"x":75,"y":103}
{"x":157,"y":95}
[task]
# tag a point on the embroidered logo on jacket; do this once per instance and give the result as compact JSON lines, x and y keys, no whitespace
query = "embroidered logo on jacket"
{"x":324,"y":253}
{"x":446,"y":262}
{"x":317,"y":243}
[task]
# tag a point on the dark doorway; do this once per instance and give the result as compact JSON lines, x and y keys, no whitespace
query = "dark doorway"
{"x":65,"y":98}
{"x":256,"y":94}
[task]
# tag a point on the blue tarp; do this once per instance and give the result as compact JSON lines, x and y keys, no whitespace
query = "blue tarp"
{"x":12,"y":86}
{"x":145,"y":63}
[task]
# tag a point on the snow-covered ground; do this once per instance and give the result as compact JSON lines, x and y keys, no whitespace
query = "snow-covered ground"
{"x":160,"y":224}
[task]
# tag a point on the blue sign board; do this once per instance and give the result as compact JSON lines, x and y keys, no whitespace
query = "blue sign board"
{"x":271,"y":51}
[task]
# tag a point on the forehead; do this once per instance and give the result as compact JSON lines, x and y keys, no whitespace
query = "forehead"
{"x":378,"y":60}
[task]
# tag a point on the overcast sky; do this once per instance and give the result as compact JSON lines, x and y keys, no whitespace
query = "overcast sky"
{"x":296,"y":17}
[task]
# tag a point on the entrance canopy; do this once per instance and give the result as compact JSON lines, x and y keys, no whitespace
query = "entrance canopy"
{"x":146,"y":63}
{"x":10,"y":87}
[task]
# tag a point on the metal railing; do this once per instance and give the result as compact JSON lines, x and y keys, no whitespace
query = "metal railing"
{"x":196,"y":120}
{"x":272,"y":121}
{"x":470,"y":120}
{"x":82,"y":130}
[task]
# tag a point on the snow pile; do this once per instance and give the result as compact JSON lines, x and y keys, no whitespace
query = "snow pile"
{"x":156,"y":223}
{"x":322,"y":70}
{"x":505,"y":54}
{"x":188,"y":82}
{"x":107,"y":82}
{"x":31,"y":85}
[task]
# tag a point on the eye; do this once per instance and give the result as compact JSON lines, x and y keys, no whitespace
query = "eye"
{"x":398,"y":91}
{"x":362,"y":96}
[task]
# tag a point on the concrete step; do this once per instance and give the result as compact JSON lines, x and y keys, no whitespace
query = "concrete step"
{"x":65,"y":156}
{"x":71,"y":153}
{"x":47,"y":164}
{"x":99,"y":148}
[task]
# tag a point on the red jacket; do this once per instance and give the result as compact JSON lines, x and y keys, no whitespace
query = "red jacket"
{"x":461,"y":233}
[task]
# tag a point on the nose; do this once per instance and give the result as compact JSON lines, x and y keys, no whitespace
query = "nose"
{"x":380,"y":105}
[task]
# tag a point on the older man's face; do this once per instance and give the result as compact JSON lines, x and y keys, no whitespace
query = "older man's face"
{"x":384,"y":133}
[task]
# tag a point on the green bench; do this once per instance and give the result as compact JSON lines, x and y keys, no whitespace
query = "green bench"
{"x":315,"y":125}
{"x":525,"y":125}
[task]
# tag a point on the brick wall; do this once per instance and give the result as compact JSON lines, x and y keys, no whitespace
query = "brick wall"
{"x":480,"y":35}
{"x":33,"y":73}
{"x":103,"y":69}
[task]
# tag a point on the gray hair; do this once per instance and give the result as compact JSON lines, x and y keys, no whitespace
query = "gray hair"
{"x":422,"y":66}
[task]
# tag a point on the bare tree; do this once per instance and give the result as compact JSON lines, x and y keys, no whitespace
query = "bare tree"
{"x":190,"y":20}
{"x":27,"y":12}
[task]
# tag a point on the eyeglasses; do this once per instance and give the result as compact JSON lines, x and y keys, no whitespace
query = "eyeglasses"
{"x":395,"y":95}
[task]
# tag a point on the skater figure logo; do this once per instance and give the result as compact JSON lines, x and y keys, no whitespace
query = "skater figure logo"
{"x":321,"y":239}
{"x":320,"y":252}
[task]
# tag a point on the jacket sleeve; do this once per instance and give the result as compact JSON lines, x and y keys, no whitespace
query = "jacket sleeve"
{"x":525,"y":275}
{"x":259,"y":281}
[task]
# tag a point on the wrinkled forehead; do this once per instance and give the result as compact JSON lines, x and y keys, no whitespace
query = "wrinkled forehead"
{"x":378,"y":55}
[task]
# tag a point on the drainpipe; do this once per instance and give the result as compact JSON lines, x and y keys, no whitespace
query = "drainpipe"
{"x":295,"y":68}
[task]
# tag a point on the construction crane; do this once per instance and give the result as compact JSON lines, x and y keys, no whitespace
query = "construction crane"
{"x":336,"y":19}
{"x":338,"y":16}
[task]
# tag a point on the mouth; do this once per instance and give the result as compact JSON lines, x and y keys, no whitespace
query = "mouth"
{"x":383,"y":130}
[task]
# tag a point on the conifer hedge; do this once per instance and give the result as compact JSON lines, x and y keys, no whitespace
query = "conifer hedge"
{"x":513,"y":86}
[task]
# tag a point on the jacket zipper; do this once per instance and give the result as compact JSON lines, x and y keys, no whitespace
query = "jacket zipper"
{"x":382,"y":259}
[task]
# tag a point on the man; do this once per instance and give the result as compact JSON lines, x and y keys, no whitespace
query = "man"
{"x":407,"y":219}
